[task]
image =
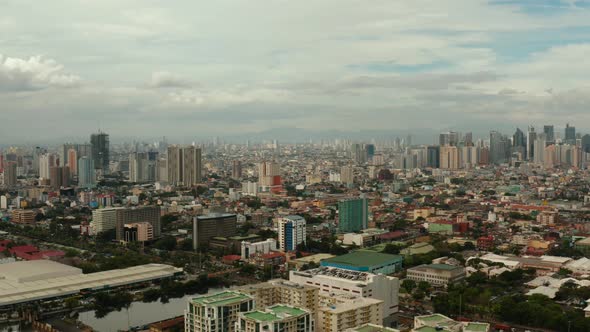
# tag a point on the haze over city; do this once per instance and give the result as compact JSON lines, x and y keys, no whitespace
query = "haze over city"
{"x":201,"y":68}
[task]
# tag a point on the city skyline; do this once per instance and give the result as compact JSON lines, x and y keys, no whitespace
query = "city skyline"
{"x":137,"y":69}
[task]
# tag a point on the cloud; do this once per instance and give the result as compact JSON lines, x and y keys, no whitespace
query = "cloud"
{"x":33,"y":73}
{"x":164,"y":79}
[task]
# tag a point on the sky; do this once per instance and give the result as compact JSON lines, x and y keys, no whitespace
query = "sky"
{"x":184,"y":68}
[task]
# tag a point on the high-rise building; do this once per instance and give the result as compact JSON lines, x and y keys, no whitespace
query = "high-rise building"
{"x":359,"y":153}
{"x":116,"y":218}
{"x":143,"y":166}
{"x":292,"y":232}
{"x":549,"y":132}
{"x":433,"y":156}
{"x":499,"y":148}
{"x":184,"y":165}
{"x":46,"y":161}
{"x":585,"y":144}
{"x":236,"y":172}
{"x":570,"y":134}
{"x":540,"y":144}
{"x":342,"y":311}
{"x":531,"y":137}
{"x":100,"y":148}
{"x":280,"y":291}
{"x":212,"y":225}
{"x":449,"y":138}
{"x":59,"y":176}
{"x":468,"y":139}
{"x":10,"y":178}
{"x":370,"y":148}
{"x":353,"y":215}
{"x":138,"y":232}
{"x":217,"y":312}
{"x":449,"y":157}
{"x":72,"y":161}
{"x":519,"y":144}
{"x":269,"y":173}
{"x":347,"y":175}
{"x":86,"y":173}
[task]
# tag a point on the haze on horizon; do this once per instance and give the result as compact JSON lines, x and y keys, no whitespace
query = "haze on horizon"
{"x":182,"y":68}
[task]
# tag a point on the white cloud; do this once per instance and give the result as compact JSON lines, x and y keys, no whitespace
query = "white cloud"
{"x":33,"y":73}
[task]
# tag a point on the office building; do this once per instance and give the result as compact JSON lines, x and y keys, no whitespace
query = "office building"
{"x":450,"y":138}
{"x":86,"y":173}
{"x":433,"y":156}
{"x":440,"y":275}
{"x":531,"y":137}
{"x":279,"y":291}
{"x":342,"y":311}
{"x":217,"y":312}
{"x":277,"y":318}
{"x":334,"y":280}
{"x":72,"y":161}
{"x":519,"y":144}
{"x":213,"y":225}
{"x":100,"y":154}
{"x":81,"y":150}
{"x":138,"y":232}
{"x":184,"y":165}
{"x":570,"y":134}
{"x":499,"y":148}
{"x":249,"y":249}
{"x":292,"y":232}
{"x":585,"y":143}
{"x":10,"y":178}
{"x":353,"y":215}
{"x":116,"y":218}
{"x":549,"y":132}
{"x":236,"y":172}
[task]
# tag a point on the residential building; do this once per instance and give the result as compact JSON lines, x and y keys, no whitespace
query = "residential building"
{"x":364,"y":284}
{"x":279,"y":291}
{"x":339,"y":312}
{"x":217,"y":312}
{"x":277,"y":318}
{"x":116,"y":218}
{"x":184,"y":166}
{"x":138,"y":232}
{"x":86,"y":173}
{"x":21,"y":216}
{"x":292,"y":232}
{"x":353,"y":215}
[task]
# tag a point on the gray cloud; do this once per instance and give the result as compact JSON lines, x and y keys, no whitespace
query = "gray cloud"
{"x":165,"y":79}
{"x":33,"y":73}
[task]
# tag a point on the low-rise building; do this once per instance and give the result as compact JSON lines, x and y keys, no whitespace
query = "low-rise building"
{"x":366,"y":261}
{"x":436,"y":274}
{"x":23,"y":216}
{"x":249,"y":249}
{"x":340,"y":312}
{"x":438,"y":322}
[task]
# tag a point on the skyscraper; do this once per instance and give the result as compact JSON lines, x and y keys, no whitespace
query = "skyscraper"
{"x":269,"y":173}
{"x":359,"y":153}
{"x":142,"y":166}
{"x":449,"y":157}
{"x":59,"y":176}
{"x":46,"y":161}
{"x":10,"y":179}
{"x":570,"y":134}
{"x":100,"y":151}
{"x":353,"y":215}
{"x":433,"y":156}
{"x":449,"y":138}
{"x":72,"y":161}
{"x":184,"y":165}
{"x":531,"y":137}
{"x":236,"y":172}
{"x":519,"y":144}
{"x":540,"y":144}
{"x":291,"y":232}
{"x":549,"y":132}
{"x":86,"y":173}
{"x":499,"y":148}
{"x":586,"y":143}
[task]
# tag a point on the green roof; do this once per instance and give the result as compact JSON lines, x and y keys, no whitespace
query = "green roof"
{"x":434,"y":319}
{"x":477,"y":327}
{"x":275,"y":313}
{"x":374,"y":328}
{"x":261,"y":316}
{"x":221,"y":299}
{"x":364,"y":258}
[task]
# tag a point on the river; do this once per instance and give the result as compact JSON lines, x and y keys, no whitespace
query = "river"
{"x":139,"y":313}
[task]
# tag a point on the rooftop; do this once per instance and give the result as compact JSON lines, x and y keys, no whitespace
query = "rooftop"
{"x":275,"y":313}
{"x":221,"y":299}
{"x":363,"y":258}
{"x":372,"y":328}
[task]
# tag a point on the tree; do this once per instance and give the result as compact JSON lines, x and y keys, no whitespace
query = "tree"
{"x":408,"y":285}
{"x":424,"y":286}
{"x":166,"y":243}
{"x":391,"y":248}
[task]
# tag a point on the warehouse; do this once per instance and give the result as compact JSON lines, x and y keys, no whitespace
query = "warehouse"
{"x":22,"y":282}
